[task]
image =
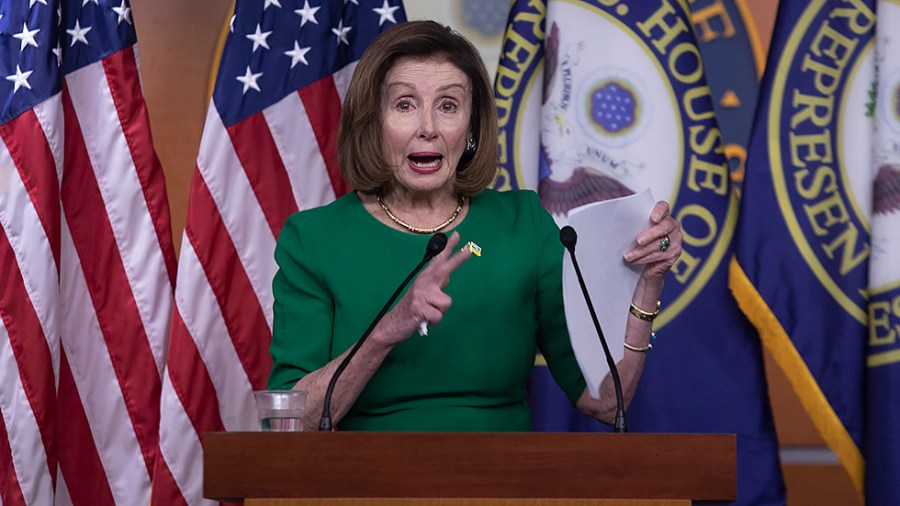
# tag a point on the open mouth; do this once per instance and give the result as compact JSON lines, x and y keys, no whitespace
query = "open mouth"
{"x":425,"y":163}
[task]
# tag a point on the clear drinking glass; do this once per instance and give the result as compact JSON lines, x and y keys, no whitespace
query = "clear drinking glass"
{"x":280,"y":410}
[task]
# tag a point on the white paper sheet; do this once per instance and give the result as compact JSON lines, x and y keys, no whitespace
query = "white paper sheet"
{"x":605,"y":231}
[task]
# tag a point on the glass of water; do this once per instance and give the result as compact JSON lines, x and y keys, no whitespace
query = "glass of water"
{"x":281,"y":410}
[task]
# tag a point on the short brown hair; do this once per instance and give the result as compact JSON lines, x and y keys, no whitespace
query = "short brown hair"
{"x":360,"y":134}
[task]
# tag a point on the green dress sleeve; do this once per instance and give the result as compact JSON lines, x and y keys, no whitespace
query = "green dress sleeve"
{"x":303,"y":307}
{"x":553,"y":334}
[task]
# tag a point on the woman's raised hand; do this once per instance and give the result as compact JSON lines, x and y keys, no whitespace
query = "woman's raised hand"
{"x":659,"y":246}
{"x":425,"y":301}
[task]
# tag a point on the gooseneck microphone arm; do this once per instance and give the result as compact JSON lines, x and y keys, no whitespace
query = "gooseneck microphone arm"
{"x":435,"y":245}
{"x":568,"y":237}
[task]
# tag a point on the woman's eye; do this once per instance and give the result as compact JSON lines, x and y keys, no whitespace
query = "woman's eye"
{"x":448,"y":106}
{"x":404,"y":105}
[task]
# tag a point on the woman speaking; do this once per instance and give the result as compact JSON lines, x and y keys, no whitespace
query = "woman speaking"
{"x":418,"y":144}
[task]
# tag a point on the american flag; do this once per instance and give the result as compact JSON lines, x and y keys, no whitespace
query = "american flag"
{"x":268,"y":150}
{"x":86,"y":258}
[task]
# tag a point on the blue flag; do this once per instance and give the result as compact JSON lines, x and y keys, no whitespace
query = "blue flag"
{"x":803,"y":249}
{"x":604,"y":99}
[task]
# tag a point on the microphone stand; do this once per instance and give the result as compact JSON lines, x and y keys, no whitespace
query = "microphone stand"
{"x":569,"y":237}
{"x":435,"y":245}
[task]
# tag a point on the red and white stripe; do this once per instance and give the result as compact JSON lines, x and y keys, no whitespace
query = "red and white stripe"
{"x":91,"y":251}
{"x":249,"y":178}
{"x":29,"y":306}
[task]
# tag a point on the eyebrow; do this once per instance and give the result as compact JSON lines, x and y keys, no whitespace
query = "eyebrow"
{"x":410,"y":85}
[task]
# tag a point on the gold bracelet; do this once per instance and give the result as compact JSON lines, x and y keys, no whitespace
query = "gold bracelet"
{"x":639,"y":350}
{"x":644,"y":315}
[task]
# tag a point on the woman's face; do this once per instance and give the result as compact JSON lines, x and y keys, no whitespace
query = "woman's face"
{"x":425,"y":117}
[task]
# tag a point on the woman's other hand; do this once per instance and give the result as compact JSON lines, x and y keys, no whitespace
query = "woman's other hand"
{"x":425,"y":301}
{"x":658,"y":247}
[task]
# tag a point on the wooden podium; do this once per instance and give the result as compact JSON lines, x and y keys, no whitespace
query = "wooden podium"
{"x":344,"y":468}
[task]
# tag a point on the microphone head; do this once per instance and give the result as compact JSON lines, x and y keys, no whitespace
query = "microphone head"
{"x":435,"y":245}
{"x":568,"y":237}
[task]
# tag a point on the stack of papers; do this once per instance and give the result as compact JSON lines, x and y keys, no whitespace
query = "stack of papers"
{"x":605,"y":231}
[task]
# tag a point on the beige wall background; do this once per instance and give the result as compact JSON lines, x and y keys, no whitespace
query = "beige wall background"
{"x":177,"y":47}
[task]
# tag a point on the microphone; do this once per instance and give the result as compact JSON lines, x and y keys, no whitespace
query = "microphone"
{"x":435,"y":245}
{"x":568,"y":237}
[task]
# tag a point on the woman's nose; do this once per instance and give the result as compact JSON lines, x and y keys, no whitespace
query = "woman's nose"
{"x":427,"y":128}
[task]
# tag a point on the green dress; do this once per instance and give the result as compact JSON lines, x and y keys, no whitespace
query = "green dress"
{"x":338,"y":265}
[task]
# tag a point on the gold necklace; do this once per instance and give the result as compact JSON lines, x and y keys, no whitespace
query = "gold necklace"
{"x":417,"y":230}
